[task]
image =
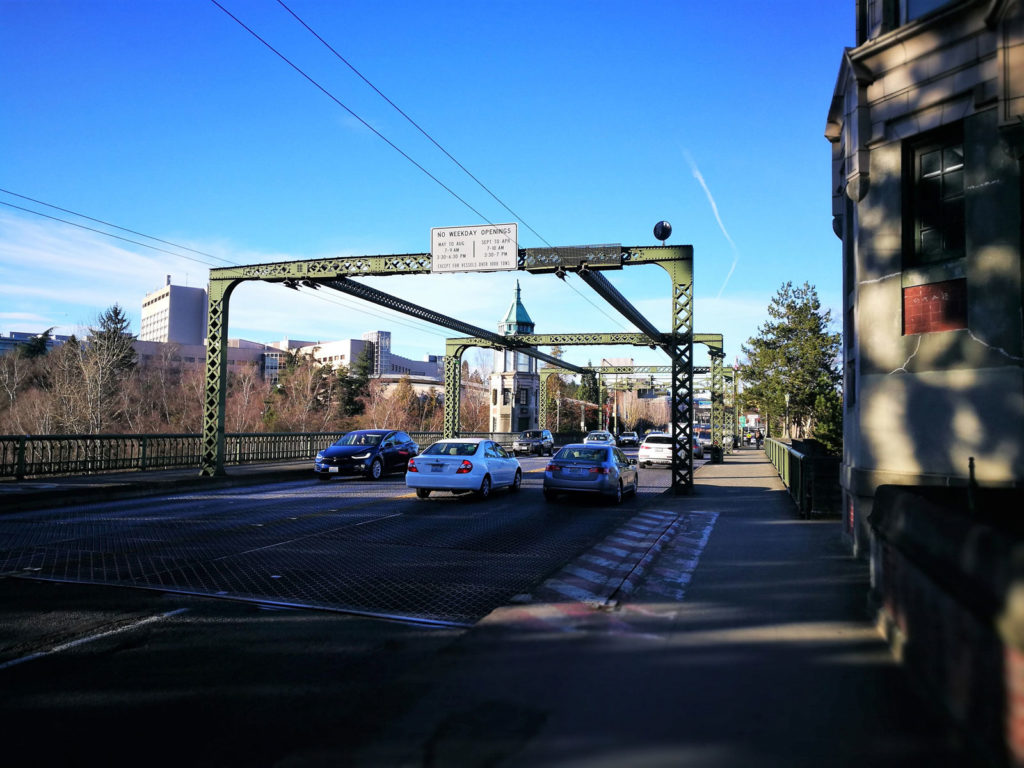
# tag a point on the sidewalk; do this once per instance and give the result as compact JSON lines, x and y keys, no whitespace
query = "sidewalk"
{"x":767,"y":658}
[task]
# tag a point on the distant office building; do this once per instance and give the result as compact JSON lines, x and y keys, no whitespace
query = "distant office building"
{"x":515,"y":384}
{"x":176,"y":314}
{"x":16,"y":339}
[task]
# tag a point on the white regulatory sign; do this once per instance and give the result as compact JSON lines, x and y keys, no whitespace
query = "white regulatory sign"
{"x":486,"y":248}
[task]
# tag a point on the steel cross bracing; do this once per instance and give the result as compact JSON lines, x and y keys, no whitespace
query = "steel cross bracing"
{"x":367,"y":293}
{"x":677,"y":261}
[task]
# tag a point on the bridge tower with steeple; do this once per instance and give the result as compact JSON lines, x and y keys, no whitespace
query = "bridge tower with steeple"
{"x":515,"y":383}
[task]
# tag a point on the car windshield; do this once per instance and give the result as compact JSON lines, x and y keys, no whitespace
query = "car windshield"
{"x":598,"y":436}
{"x":579,"y":453}
{"x":360,"y":438}
{"x":532,"y":434}
{"x":658,"y":440}
{"x":452,"y":449}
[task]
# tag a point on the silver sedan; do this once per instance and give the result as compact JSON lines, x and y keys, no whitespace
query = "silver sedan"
{"x":589,"y":468}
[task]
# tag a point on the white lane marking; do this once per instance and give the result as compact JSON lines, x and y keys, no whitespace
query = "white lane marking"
{"x":91,"y":638}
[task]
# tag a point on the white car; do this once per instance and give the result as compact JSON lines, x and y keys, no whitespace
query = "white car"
{"x":655,"y":449}
{"x":600,"y":437}
{"x":464,"y":465}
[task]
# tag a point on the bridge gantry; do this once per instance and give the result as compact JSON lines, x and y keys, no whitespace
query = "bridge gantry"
{"x":588,"y":262}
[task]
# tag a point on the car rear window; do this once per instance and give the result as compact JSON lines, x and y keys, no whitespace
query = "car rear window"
{"x":582,"y":454}
{"x":452,"y":449}
{"x":658,"y":440}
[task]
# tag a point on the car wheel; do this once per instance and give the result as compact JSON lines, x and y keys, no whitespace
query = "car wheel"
{"x":517,"y":482}
{"x":422,"y":493}
{"x":377,"y":469}
{"x":549,"y":496}
{"x":485,"y":488}
{"x":618,"y":493}
{"x":323,"y":477}
{"x":636,"y":484}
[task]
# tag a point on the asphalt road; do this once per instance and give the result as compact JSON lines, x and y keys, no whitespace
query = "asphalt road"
{"x":744,"y":643}
{"x":222,"y":627}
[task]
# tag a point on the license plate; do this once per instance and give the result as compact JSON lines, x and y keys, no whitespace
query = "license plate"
{"x":577,"y":471}
{"x":436,"y":467}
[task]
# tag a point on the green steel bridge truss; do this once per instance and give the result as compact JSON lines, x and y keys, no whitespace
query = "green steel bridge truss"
{"x":585,"y":261}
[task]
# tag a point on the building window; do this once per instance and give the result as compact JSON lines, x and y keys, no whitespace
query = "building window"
{"x":914,"y":9}
{"x":524,"y":397}
{"x":935,"y":209}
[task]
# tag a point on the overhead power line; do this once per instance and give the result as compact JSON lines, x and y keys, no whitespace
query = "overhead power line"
{"x":412,"y":122}
{"x":336,"y":300}
{"x":391,"y":144}
{"x":106,"y":224}
{"x":337,"y":101}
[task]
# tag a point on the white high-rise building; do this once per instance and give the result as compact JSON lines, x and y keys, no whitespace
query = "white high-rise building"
{"x":176,"y":314}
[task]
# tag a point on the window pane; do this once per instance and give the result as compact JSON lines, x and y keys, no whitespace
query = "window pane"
{"x":954,"y":227}
{"x":931,"y":245}
{"x":953,"y":158}
{"x":931,"y":163}
{"x":953,"y":183}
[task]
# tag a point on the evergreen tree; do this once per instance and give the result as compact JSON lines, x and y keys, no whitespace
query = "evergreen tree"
{"x":111,"y":341}
{"x":37,"y":346}
{"x":355,"y":382}
{"x":794,"y":354}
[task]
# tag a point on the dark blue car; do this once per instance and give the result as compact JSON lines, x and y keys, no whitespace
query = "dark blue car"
{"x":370,"y":452}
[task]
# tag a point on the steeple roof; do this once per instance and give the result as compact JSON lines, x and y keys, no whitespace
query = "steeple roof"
{"x":517,"y":319}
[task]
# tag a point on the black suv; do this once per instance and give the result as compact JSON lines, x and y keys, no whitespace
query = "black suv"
{"x":538,"y":441}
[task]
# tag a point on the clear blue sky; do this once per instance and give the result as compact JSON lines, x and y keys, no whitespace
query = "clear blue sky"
{"x":591,"y":120}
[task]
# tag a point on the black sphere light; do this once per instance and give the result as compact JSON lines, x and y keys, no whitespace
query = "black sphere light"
{"x":663,"y":231}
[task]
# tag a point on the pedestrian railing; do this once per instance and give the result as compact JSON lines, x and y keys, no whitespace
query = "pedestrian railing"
{"x":810,"y":475}
{"x":24,"y":456}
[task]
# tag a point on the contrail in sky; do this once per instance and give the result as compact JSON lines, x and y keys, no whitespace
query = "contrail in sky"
{"x":735,"y":251}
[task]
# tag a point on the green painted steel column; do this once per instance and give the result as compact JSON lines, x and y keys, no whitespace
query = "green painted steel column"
{"x":215,"y":394}
{"x":717,"y":398}
{"x":729,"y":421}
{"x":542,"y":404}
{"x":452,"y":389}
{"x":680,"y":349}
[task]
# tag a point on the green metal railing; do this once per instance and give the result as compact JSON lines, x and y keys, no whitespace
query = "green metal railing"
{"x":811,"y":477}
{"x":24,"y":456}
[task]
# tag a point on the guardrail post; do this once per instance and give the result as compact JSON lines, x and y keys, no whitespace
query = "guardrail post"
{"x":19,"y":472}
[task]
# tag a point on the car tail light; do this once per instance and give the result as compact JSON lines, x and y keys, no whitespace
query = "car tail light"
{"x":552,"y":468}
{"x":464,"y":467}
{"x":412,"y":465}
{"x":599,"y":470}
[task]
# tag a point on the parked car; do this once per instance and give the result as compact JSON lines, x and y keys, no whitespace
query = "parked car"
{"x":464,"y":465}
{"x":599,"y":437}
{"x":698,"y":449}
{"x":590,"y":468}
{"x":538,"y":441}
{"x":370,"y":452}
{"x":629,"y":438}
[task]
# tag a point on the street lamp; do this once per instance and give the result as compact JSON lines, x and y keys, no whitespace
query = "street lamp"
{"x":787,"y":415}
